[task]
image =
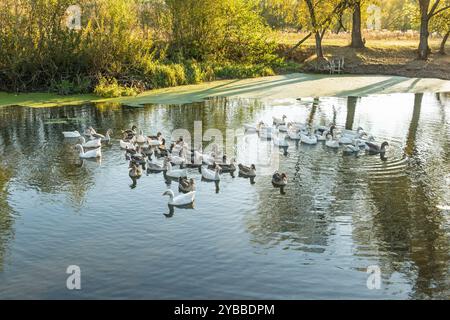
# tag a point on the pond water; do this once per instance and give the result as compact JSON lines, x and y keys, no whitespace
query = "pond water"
{"x":339,"y":215}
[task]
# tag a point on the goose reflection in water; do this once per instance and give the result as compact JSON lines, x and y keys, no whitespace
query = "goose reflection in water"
{"x":172,"y":209}
{"x":216,"y":183}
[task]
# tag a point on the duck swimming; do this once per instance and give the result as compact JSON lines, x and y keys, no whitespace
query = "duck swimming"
{"x":156,"y":167}
{"x":278,"y":121}
{"x":95,"y":153}
{"x":91,"y":143}
{"x":71,"y":134}
{"x":279,"y":179}
{"x":331,"y":143}
{"x":247,"y":171}
{"x":373,"y":148}
{"x":185,"y":185}
{"x":211,"y":175}
{"x":224,"y":166}
{"x":174,"y":173}
{"x":351,"y":149}
{"x":140,"y":138}
{"x":107,"y":137}
{"x":135,"y":171}
{"x":308,"y":139}
{"x":181,"y":199}
{"x":130,"y":132}
{"x":280,"y":142}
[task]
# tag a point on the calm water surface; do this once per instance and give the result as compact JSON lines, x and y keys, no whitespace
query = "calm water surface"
{"x":339,"y":214}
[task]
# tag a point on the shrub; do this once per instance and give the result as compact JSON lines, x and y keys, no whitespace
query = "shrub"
{"x":110,"y":88}
{"x":193,"y":72}
{"x":239,"y":71}
{"x":65,"y":87}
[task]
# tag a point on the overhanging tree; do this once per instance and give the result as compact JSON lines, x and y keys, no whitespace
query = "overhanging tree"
{"x":428,"y":9}
{"x":321,"y":16}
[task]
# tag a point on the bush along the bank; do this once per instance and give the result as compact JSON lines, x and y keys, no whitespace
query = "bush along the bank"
{"x":133,"y":45}
{"x":110,"y":88}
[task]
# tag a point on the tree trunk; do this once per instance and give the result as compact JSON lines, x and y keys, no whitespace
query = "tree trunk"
{"x":357,"y":41}
{"x":319,"y":51}
{"x":423,"y":44}
{"x":444,"y":41}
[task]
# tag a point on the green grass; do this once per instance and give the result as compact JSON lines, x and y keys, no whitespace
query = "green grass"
{"x":282,"y":86}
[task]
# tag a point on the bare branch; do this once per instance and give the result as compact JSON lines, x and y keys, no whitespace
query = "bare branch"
{"x":439,"y":11}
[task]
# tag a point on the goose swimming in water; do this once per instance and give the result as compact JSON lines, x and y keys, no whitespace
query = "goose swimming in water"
{"x":321,"y":135}
{"x":130,"y":132}
{"x":71,"y":134}
{"x":135,"y":171}
{"x":174,"y":173}
{"x":373,"y":148}
{"x":211,"y":175}
{"x":185,"y":185}
{"x":308,"y":139}
{"x":140,"y":138}
{"x":279,"y":179}
{"x":156,"y":167}
{"x":181,"y":199}
{"x":224,"y":166}
{"x":247,"y":171}
{"x":95,"y":153}
{"x":294,"y":134}
{"x":350,"y":149}
{"x":278,"y":121}
{"x":107,"y":137}
{"x":282,"y":128}
{"x":250,"y":128}
{"x":94,"y":135}
{"x":280,"y":142}
{"x":266,"y":133}
{"x":331,"y":143}
{"x":91,"y":143}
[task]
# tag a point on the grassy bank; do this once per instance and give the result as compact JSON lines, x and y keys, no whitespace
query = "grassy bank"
{"x":276,"y":87}
{"x":388,"y":54}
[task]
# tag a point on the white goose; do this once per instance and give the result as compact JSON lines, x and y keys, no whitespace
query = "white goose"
{"x":331,"y":143}
{"x":323,"y":136}
{"x":343,"y":139}
{"x":91,"y":143}
{"x":250,"y":128}
{"x":280,"y":142}
{"x":96,"y":153}
{"x":308,"y":139}
{"x":294,"y":135}
{"x":140,"y":138}
{"x":266,"y":132}
{"x":154,"y":142}
{"x":282,"y":128}
{"x":212,"y":175}
{"x":351,"y":148}
{"x":107,"y":136}
{"x":71,"y":134}
{"x":278,"y":121}
{"x":128,"y":145}
{"x":181,"y":199}
{"x":178,"y":159}
{"x":175,"y":173}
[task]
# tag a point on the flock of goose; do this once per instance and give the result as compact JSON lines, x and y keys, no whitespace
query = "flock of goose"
{"x":353,"y":142}
{"x":150,"y":153}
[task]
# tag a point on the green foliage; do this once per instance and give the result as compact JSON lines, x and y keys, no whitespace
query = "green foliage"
{"x":215,"y":31}
{"x":242,"y":71}
{"x":193,"y":72}
{"x":110,"y":88}
{"x":65,"y":87}
{"x":143,"y":44}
